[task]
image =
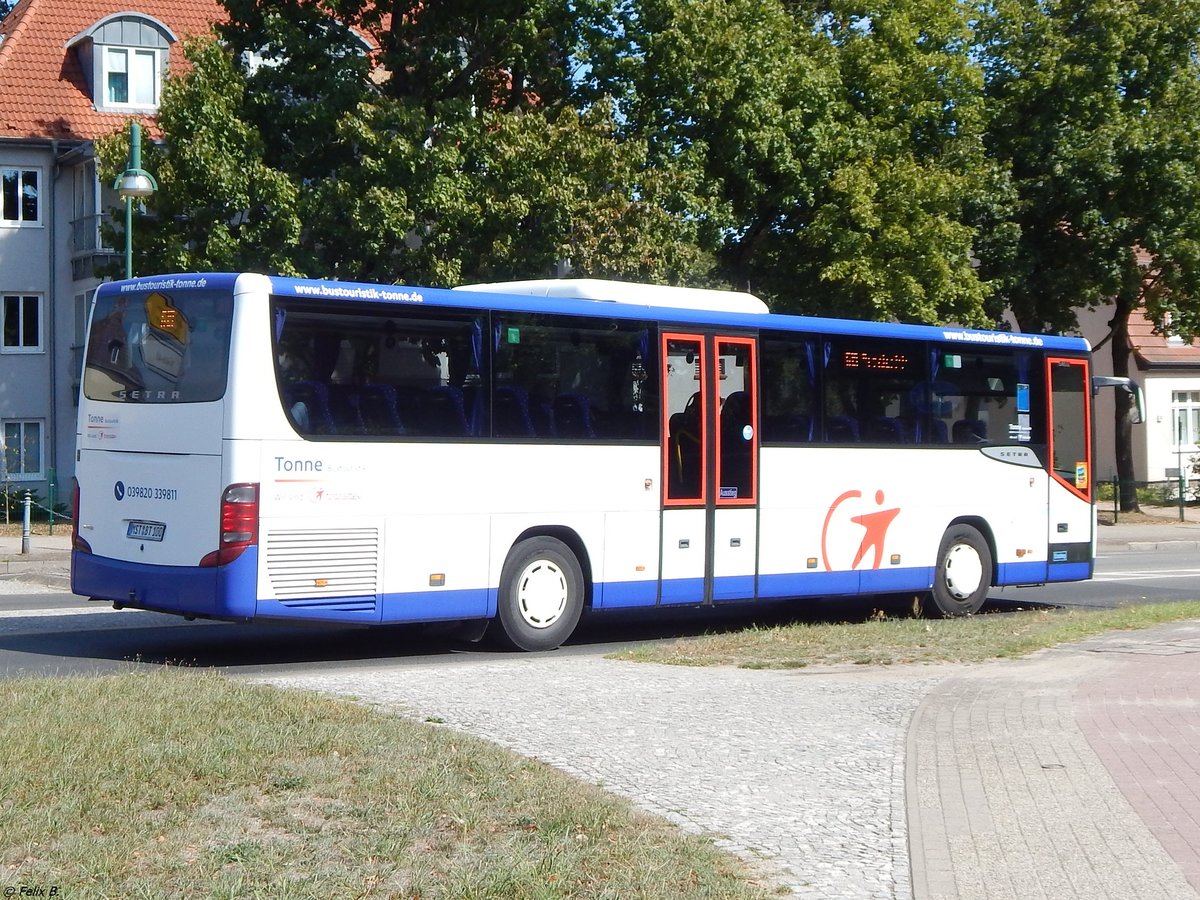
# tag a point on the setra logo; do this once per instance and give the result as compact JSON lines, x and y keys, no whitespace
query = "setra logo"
{"x":119,"y":490}
{"x":874,"y":522}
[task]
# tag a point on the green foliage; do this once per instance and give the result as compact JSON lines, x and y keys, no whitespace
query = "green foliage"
{"x":461,"y":147}
{"x":844,"y":138}
{"x":1094,"y":111}
{"x":220,"y":206}
{"x":923,"y":160}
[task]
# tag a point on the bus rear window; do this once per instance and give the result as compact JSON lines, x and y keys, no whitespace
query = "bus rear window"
{"x":159,"y":347}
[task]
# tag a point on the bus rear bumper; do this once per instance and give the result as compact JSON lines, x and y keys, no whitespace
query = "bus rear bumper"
{"x":224,"y":592}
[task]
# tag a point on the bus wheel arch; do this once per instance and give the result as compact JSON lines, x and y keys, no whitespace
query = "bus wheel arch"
{"x":965,"y":568}
{"x":544,"y":587}
{"x":573,"y":542}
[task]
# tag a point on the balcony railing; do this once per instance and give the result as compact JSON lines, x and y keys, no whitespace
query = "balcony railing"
{"x":86,"y":236}
{"x":91,"y":254}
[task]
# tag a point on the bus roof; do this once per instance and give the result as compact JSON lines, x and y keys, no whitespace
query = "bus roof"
{"x":679,"y":316}
{"x":627,"y":292}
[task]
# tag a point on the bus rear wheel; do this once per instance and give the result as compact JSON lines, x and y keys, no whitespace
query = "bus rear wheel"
{"x":541,"y":595}
{"x":964,"y":572}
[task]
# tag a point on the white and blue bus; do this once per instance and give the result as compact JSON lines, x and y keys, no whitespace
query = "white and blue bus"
{"x":263,"y":448}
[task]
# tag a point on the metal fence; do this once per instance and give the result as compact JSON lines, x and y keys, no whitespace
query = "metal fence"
{"x":1178,"y":493}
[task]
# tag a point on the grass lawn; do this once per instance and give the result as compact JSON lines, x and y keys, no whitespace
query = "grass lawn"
{"x":186,"y":784}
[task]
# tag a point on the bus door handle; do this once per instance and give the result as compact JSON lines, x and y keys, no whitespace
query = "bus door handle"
{"x":684,"y":543}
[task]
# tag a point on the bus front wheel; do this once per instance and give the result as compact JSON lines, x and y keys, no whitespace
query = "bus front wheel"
{"x":541,"y":595}
{"x":964,"y":572}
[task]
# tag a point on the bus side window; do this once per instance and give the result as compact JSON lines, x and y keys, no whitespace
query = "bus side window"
{"x":980,"y":396}
{"x":874,"y":392}
{"x":788,"y":390}
{"x":572,"y":379}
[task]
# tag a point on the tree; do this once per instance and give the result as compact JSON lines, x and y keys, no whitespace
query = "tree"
{"x":1095,"y":111}
{"x":220,"y":206}
{"x":845,"y":138}
{"x":431,"y":145}
{"x":6,"y":7}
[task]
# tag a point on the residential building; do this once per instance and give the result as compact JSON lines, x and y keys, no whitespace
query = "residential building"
{"x":1168,"y":370}
{"x":71,"y":71}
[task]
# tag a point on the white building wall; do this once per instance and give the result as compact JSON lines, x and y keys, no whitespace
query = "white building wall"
{"x":1155,"y":448}
{"x":1162,"y":445}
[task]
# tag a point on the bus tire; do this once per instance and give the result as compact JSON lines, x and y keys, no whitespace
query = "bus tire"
{"x":964,"y":572}
{"x":541,"y":595}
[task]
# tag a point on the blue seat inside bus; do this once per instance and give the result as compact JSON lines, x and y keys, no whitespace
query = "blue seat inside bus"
{"x":683,"y":473}
{"x":308,"y":406}
{"x":841,"y":429}
{"x":934,"y":431}
{"x":444,"y":411}
{"x":573,"y":416}
{"x":510,"y":412}
{"x":736,"y":456}
{"x":796,"y":429}
{"x":379,"y":410}
{"x":345,"y":409}
{"x":969,"y":431}
{"x":883,"y":430}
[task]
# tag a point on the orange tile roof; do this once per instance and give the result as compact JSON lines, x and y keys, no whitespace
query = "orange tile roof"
{"x":43,"y":91}
{"x":1154,"y":351}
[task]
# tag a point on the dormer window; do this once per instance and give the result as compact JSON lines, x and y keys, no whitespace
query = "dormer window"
{"x":131,"y":77}
{"x":1173,"y":339}
{"x":125,"y":56}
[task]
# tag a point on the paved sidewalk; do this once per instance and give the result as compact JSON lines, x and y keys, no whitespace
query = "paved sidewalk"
{"x":48,"y":562}
{"x":1073,"y":773}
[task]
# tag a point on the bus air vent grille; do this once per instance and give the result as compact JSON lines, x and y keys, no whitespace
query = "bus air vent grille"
{"x":341,"y":562}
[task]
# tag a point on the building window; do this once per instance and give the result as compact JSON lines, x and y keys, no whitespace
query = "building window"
{"x":22,"y":450}
{"x":130,"y":77}
{"x":22,"y":323}
{"x":19,"y":197}
{"x":1185,"y":414}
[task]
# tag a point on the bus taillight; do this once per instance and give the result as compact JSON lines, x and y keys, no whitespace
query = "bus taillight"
{"x":239,"y":524}
{"x":77,"y":542}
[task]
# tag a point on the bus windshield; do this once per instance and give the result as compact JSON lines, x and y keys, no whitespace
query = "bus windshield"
{"x":159,"y":347}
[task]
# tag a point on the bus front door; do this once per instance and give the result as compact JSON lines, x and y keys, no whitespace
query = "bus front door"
{"x":1071,"y":484}
{"x":710,"y":468}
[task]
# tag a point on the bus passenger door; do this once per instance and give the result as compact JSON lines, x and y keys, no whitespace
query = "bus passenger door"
{"x":710,"y":468}
{"x":1071,"y":482}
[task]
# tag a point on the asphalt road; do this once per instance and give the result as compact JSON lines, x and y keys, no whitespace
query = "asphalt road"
{"x":58,"y":633}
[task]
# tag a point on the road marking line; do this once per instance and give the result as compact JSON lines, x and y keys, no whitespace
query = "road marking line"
{"x":42,"y":612}
{"x":1153,"y":576}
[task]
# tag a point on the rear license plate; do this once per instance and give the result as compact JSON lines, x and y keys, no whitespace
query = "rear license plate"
{"x":146,"y":531}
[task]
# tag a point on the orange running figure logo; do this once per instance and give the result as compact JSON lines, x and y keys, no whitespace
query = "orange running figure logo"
{"x":875,"y":525}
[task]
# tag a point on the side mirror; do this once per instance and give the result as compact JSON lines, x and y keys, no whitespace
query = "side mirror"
{"x":1138,"y":401}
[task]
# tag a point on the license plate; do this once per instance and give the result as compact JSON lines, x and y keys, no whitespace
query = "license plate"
{"x":146,"y":531}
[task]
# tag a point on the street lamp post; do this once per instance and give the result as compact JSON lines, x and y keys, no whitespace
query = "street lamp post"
{"x":134,"y":183}
{"x":1179,"y":456}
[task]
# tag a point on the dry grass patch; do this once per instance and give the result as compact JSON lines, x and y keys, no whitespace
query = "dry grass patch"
{"x":895,"y":641}
{"x":185,"y":784}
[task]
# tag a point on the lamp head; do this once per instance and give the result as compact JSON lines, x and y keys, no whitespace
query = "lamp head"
{"x":135,"y":183}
